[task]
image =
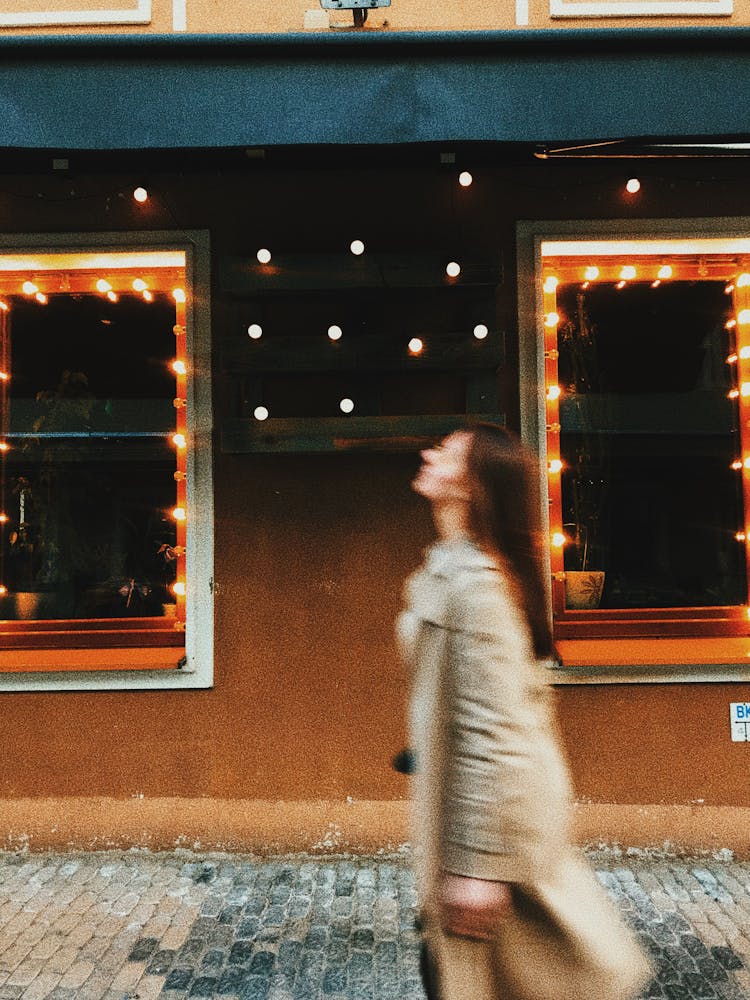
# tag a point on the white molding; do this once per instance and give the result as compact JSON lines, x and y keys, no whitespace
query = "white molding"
{"x":522,"y":12}
{"x":199,"y":632}
{"x":140,"y":14}
{"x":641,"y":8}
{"x":179,"y":15}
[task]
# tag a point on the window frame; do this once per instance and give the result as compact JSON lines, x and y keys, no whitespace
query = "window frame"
{"x":154,"y":661}
{"x":641,"y":634}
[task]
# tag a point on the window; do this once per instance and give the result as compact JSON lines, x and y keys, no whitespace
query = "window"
{"x":98,"y":561}
{"x":645,"y":347}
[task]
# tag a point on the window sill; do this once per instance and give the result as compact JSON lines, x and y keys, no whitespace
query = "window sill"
{"x":25,"y":661}
{"x":652,"y":661}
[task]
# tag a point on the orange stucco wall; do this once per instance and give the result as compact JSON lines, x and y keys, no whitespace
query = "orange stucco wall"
{"x":311,"y":551}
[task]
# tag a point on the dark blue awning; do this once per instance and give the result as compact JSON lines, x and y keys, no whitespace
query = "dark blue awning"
{"x":162,"y":92}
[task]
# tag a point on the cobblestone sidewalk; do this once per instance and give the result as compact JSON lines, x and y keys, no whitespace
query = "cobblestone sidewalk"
{"x":137,"y":926}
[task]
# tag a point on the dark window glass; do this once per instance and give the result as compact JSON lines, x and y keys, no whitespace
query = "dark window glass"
{"x":648,"y":435}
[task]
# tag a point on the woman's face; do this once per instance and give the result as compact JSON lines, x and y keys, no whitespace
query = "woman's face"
{"x":443,"y":476}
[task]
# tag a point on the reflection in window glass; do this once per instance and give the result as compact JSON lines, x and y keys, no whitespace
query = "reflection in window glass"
{"x":648,"y":437}
{"x":89,"y":478}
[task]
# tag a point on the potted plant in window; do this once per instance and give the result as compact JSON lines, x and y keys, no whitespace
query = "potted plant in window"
{"x":584,"y":484}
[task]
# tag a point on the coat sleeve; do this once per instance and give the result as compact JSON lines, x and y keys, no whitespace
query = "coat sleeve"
{"x":501,"y":766}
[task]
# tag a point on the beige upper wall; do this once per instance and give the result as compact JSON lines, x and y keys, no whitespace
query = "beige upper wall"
{"x":249,"y":16}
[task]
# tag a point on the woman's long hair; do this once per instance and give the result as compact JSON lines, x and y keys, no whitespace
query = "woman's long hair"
{"x":505,"y":518}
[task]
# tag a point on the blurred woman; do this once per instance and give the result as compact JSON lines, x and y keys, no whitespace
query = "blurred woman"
{"x":508,"y":910}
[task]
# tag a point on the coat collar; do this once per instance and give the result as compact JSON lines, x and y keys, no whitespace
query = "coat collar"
{"x":462,"y":552}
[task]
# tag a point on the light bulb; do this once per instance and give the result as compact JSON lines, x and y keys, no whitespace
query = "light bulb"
{"x":733,"y":394}
{"x":553,"y":392}
{"x":551,"y":283}
{"x":591,"y":273}
{"x":740,"y":536}
{"x":255,"y":331}
{"x":728,"y":289}
{"x":620,"y":285}
{"x":730,"y":324}
{"x":357,"y":247}
{"x":147,"y":295}
{"x":179,"y":589}
{"x":346,"y":405}
{"x":633,"y":186}
{"x":416,"y":345}
{"x":178,"y":294}
{"x":112,"y":296}
{"x":260,"y":413}
{"x":736,"y":464}
{"x":4,"y":376}
{"x":628,"y":272}
{"x":743,"y":280}
{"x":552,"y":319}
{"x":335,"y":332}
{"x":481,"y":331}
{"x":4,"y":446}
{"x":558,"y":539}
{"x":465,"y":179}
{"x":746,"y":463}
{"x":731,"y":359}
{"x":4,"y":306}
{"x":179,"y":514}
{"x":29,"y":288}
{"x":743,"y":316}
{"x":656,"y":283}
{"x":103,"y":286}
{"x":453,"y":269}
{"x":41,"y":298}
{"x":3,"y":590}
{"x":745,"y":352}
{"x":139,"y":285}
{"x":664,"y":272}
{"x":555,"y":466}
{"x":745,"y":389}
{"x":179,"y":367}
{"x":4,"y":519}
{"x":264,"y":256}
{"x":140,"y":194}
{"x":178,"y":440}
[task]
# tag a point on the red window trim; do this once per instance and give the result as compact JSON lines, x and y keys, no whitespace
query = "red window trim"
{"x":92,"y":633}
{"x":652,"y":622}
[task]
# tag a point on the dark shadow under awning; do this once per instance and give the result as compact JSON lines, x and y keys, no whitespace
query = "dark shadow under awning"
{"x":161,"y":92}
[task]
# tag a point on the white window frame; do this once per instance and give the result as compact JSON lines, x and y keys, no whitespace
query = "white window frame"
{"x":529,"y":238}
{"x":641,"y":8}
{"x":140,"y":14}
{"x":198,"y":670}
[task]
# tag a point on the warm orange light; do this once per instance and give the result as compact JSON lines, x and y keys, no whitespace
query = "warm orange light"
{"x":555,"y":465}
{"x":553,"y":392}
{"x":728,"y":289}
{"x":41,"y":298}
{"x":178,"y":513}
{"x":416,"y":346}
{"x":740,"y":536}
{"x":179,"y":441}
{"x":140,"y":194}
{"x":4,"y":519}
{"x":745,"y":389}
{"x":731,"y":359}
{"x":745,"y":352}
{"x":733,"y":394}
{"x":746,"y":462}
{"x":730,"y":324}
{"x":103,"y":286}
{"x":656,"y":283}
{"x":178,"y":294}
{"x":4,"y":306}
{"x":139,"y":285}
{"x":148,"y":296}
{"x":664,"y":272}
{"x":628,"y":272}
{"x":743,"y":317}
{"x":743,"y":280}
{"x":4,"y":376}
{"x":179,"y":589}
{"x":558,"y":539}
{"x":4,"y":446}
{"x":112,"y":296}
{"x":551,"y":283}
{"x":591,"y":273}
{"x":179,"y":367}
{"x":3,"y":590}
{"x":180,"y":477}
{"x":551,"y":319}
{"x":453,"y":269}
{"x":29,"y":288}
{"x":736,"y":464}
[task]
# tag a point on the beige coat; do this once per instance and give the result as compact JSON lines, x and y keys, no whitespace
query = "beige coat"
{"x":491,"y":797}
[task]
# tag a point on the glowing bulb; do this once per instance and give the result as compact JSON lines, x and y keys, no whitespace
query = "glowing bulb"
{"x":264,"y":256}
{"x":41,"y":298}
{"x":178,"y":294}
{"x":555,"y":466}
{"x":745,"y":389}
{"x":4,"y":519}
{"x":736,"y":464}
{"x":260,"y":413}
{"x":179,"y":514}
{"x":4,"y":376}
{"x":178,"y":440}
{"x":481,"y":331}
{"x":148,"y":296}
{"x":346,"y":405}
{"x":3,"y":590}
{"x":553,"y":392}
{"x":416,"y":346}
{"x":740,"y":536}
{"x":335,"y":332}
{"x":139,"y":285}
{"x":4,"y":446}
{"x":733,"y":394}
{"x":745,"y":352}
{"x":453,"y":269}
{"x":357,"y":247}
{"x":664,"y":272}
{"x":4,"y":306}
{"x":633,"y":186}
{"x":743,"y":317}
{"x":558,"y":539}
{"x":728,"y":289}
{"x":591,"y":273}
{"x":255,"y":331}
{"x":746,"y":463}
{"x":465,"y":179}
{"x":743,"y":280}
{"x":29,"y":288}
{"x":585,"y":284}
{"x":730,"y":324}
{"x":620,"y":284}
{"x":656,"y":283}
{"x":112,"y":296}
{"x":140,"y":194}
{"x":179,"y":589}
{"x":628,"y":272}
{"x":550,"y":284}
{"x":731,"y":359}
{"x":552,"y":319}
{"x":179,"y":367}
{"x":103,"y":286}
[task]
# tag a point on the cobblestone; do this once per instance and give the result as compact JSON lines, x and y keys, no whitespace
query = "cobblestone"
{"x":120,"y":926}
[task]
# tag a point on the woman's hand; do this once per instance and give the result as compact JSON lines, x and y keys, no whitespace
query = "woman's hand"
{"x":473,"y":907}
